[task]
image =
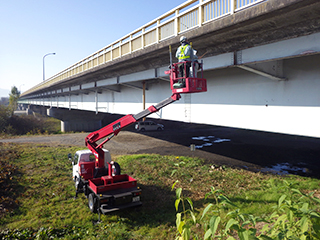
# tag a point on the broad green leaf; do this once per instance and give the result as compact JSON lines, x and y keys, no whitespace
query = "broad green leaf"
{"x":252,"y":234}
{"x":231,"y":238}
{"x":296,"y":191}
{"x":243,"y":234}
{"x":316,"y":199}
{"x":274,"y":215}
{"x":290,"y":214}
{"x":186,"y":234}
{"x":179,"y":223}
{"x":245,"y":223}
{"x":304,"y":224}
{"x":193,"y":217}
{"x":241,"y":217}
{"x":265,"y":228}
{"x":206,"y":210}
{"x":281,"y":200}
{"x":178,"y":192}
{"x":314,"y":214}
{"x":178,"y":220}
{"x":190,"y":203}
{"x":230,"y":223}
{"x":281,"y":219}
{"x":207,"y":234}
{"x":174,"y":185}
{"x":305,"y":207}
{"x":224,"y":199}
{"x":214,"y":222}
{"x":173,"y":172}
{"x":176,"y":204}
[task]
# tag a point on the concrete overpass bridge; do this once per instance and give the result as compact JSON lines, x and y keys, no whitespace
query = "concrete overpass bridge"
{"x":261,"y":61}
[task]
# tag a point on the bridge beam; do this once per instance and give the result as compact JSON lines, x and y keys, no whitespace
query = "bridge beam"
{"x":272,"y":70}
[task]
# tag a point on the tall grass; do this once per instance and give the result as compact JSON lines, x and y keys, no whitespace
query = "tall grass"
{"x":44,"y":203}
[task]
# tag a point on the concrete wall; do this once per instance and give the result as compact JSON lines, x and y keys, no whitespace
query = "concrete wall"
{"x":235,"y":98}
{"x":245,"y":100}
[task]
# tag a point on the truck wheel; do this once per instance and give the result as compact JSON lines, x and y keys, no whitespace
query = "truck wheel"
{"x":92,"y":202}
{"x":118,"y":169}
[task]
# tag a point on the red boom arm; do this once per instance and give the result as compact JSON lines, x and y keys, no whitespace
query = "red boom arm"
{"x":115,"y":127}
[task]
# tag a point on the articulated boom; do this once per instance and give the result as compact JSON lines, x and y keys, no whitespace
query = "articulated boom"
{"x":115,"y":127}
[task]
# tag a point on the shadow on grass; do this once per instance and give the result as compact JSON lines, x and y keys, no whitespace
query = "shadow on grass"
{"x":157,"y":208}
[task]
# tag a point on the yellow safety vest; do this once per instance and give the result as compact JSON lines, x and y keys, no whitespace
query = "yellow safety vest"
{"x":181,"y":55}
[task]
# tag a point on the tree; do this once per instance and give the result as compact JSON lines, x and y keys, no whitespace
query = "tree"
{"x":13,"y":98}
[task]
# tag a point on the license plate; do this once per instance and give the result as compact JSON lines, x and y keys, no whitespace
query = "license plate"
{"x":136,"y":199}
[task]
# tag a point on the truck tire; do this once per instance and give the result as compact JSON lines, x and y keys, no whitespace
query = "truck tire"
{"x":92,"y":203}
{"x":118,"y":168}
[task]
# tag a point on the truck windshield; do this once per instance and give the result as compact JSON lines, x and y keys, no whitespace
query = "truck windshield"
{"x":92,"y":158}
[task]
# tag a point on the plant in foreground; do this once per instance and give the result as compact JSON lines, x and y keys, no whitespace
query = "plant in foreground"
{"x":294,"y":217}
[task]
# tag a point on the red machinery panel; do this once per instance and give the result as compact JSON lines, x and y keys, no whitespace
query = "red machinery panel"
{"x":190,"y":84}
{"x":87,"y":169}
{"x":100,"y":185}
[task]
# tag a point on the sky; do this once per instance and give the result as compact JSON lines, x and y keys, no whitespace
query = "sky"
{"x":73,"y":29}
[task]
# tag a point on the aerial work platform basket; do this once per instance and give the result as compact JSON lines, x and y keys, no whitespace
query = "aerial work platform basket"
{"x":184,"y":77}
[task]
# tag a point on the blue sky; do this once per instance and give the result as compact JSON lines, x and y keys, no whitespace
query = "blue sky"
{"x":73,"y":29}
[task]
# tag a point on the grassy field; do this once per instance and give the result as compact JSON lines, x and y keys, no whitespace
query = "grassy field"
{"x":37,"y":194}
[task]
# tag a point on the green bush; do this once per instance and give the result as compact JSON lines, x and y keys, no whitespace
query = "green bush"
{"x":19,"y":125}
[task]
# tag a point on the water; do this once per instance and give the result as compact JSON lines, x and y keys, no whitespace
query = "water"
{"x":287,"y":168}
{"x":280,"y":168}
{"x":209,"y":141}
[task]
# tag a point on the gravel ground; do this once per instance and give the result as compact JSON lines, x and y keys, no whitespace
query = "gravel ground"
{"x":238,"y":148}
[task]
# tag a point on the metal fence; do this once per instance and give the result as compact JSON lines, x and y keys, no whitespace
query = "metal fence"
{"x":187,"y":16}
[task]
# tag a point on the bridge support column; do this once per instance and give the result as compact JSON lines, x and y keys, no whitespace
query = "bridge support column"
{"x":75,"y":120}
{"x":32,"y":109}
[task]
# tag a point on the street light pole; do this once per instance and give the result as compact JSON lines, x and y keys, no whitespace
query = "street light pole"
{"x":43,"y":63}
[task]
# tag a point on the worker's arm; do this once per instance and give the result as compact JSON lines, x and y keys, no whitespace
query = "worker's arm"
{"x":178,"y":52}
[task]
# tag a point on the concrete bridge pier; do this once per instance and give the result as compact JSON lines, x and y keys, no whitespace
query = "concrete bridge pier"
{"x":31,"y":109}
{"x":75,"y":120}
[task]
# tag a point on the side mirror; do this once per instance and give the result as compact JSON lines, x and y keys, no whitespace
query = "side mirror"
{"x":70,"y":158}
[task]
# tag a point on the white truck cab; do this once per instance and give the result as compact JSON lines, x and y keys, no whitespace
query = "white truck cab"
{"x":84,"y":158}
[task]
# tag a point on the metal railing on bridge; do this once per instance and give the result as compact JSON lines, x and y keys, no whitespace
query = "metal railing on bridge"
{"x":187,"y":16}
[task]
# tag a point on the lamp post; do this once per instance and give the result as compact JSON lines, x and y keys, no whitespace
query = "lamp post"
{"x":20,"y":87}
{"x":43,"y":63}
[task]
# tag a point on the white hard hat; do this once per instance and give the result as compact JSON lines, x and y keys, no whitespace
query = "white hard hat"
{"x":183,"y":39}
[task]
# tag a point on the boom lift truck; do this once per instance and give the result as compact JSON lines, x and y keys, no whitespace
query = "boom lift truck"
{"x":98,"y":176}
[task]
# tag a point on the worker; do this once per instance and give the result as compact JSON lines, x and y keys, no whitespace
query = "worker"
{"x":185,"y":53}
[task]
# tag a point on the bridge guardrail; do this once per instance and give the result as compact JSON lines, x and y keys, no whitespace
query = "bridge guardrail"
{"x":185,"y":17}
